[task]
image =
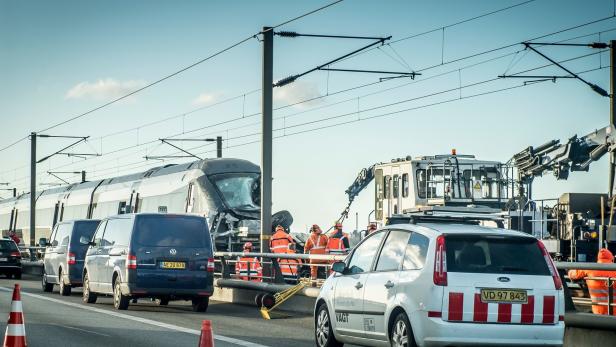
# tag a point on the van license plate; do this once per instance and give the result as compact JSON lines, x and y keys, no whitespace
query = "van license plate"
{"x":511,"y":296}
{"x":173,"y":265}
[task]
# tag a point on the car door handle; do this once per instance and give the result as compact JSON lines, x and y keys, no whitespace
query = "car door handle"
{"x":358,"y":285}
{"x":389,"y":284}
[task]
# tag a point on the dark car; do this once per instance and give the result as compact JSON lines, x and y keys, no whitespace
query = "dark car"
{"x":65,"y":254}
{"x":10,"y":259}
{"x":149,"y":255}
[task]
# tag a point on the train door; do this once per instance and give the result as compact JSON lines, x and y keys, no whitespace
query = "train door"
{"x":395,"y":190}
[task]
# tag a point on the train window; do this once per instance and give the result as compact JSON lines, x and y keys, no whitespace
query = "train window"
{"x":122,"y":207}
{"x":387,"y":186}
{"x":396,"y":186}
{"x":378,"y":192}
{"x":405,"y":185}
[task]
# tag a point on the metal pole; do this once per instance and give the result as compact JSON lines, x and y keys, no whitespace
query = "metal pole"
{"x":32,"y":187}
{"x":83,"y":176}
{"x":14,"y":192}
{"x":266,"y":138}
{"x":218,"y":146}
{"x":612,"y":118}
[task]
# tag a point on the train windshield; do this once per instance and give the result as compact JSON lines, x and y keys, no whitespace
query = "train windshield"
{"x":239,"y":190}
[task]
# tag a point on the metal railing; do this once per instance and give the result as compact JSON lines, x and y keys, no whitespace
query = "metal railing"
{"x":611,"y":281}
{"x":273,"y":265}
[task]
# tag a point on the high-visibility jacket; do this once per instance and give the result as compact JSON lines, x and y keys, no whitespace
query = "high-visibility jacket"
{"x":316,"y":244}
{"x":338,"y":243}
{"x":249,"y":269}
{"x":280,"y":242}
{"x":289,"y":267}
{"x":598,"y":288}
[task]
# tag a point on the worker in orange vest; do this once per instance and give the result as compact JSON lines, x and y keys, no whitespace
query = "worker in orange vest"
{"x":338,"y":241}
{"x":316,"y":244}
{"x":598,"y":288}
{"x":282,"y":242}
{"x":249,"y":268}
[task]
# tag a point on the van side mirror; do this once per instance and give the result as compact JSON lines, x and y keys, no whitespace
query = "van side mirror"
{"x":84,"y":240}
{"x":42,"y":242}
{"x":339,"y":267}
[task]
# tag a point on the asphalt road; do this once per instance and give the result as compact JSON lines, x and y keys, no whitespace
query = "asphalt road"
{"x":54,"y":320}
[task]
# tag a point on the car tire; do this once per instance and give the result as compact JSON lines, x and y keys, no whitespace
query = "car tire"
{"x":200,"y":304}
{"x":88,"y":296}
{"x":47,"y":287}
{"x":120,"y":302}
{"x":162,"y":301}
{"x":323,"y":332}
{"x":401,"y":333}
{"x":65,"y":290}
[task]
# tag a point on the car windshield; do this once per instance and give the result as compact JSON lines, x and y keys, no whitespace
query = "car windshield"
{"x":8,"y":246}
{"x":495,"y":254}
{"x":171,"y":231}
{"x":238,"y":190}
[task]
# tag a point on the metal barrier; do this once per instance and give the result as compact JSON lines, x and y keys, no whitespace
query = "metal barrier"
{"x":33,"y":252}
{"x":275,"y":262}
{"x":569,"y":302}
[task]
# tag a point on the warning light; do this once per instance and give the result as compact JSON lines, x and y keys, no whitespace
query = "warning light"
{"x":453,"y":151}
{"x":594,"y":235}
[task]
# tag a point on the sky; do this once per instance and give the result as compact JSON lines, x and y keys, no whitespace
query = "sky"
{"x":63,"y":58}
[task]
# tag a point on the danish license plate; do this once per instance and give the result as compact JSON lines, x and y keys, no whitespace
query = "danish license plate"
{"x":3,"y":259}
{"x":173,"y":265}
{"x":510,"y":296}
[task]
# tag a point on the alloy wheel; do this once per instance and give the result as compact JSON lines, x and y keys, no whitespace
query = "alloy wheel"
{"x":322,"y":327}
{"x":400,"y":335}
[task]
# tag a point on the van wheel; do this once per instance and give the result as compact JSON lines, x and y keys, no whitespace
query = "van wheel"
{"x":47,"y":287}
{"x":120,"y":302}
{"x":88,"y":296}
{"x":200,"y":304}
{"x":323,"y":332}
{"x":162,"y":301}
{"x":401,"y":334}
{"x":65,"y":290}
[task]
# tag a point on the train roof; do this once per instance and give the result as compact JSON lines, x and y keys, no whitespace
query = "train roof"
{"x":208,"y":166}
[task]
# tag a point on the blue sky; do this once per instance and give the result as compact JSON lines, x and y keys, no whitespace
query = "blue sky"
{"x":61,"y":58}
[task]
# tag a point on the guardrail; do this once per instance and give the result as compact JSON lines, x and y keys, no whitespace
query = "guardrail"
{"x":273,"y":263}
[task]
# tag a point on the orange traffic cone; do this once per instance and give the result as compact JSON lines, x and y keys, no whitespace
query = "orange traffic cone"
{"x":207,"y":338}
{"x":15,"y":335}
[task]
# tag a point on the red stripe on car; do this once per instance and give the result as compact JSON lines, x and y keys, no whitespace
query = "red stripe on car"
{"x":480,"y":311}
{"x":548,"y":309}
{"x":456,"y":306}
{"x":504,"y":313}
{"x":528,"y":310}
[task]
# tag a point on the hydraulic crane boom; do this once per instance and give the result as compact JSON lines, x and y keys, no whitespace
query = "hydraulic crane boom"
{"x":575,"y":155}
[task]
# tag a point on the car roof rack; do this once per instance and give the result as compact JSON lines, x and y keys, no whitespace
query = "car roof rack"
{"x":448,"y":214}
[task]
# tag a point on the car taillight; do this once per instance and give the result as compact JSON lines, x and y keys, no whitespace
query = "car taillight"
{"x":131,"y":261}
{"x":440,"y":262}
{"x":210,"y":265}
{"x":70,"y":258}
{"x":558,"y":284}
{"x":16,"y":254}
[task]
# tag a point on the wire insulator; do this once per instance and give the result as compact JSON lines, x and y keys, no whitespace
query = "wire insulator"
{"x":600,"y":45}
{"x":285,"y":81}
{"x":287,"y":33}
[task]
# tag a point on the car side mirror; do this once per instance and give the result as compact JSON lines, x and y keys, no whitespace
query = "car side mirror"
{"x":42,"y":242}
{"x":84,"y":240}
{"x":339,"y":267}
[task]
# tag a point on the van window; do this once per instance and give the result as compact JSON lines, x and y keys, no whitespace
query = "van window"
{"x":85,"y":228}
{"x":495,"y":254}
{"x":171,"y":231}
{"x":117,"y":232}
{"x":98,"y":238}
{"x":62,"y":235}
{"x":364,"y":254}
{"x":393,"y":251}
{"x":416,"y":252}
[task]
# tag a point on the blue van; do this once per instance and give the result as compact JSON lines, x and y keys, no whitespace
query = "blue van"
{"x":150,"y":255}
{"x":64,"y":254}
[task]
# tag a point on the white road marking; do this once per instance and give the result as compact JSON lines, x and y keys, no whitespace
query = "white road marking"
{"x":78,"y":329}
{"x":232,"y":340}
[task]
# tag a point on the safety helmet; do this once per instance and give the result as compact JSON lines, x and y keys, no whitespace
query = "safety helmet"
{"x":248,"y":245}
{"x":315,"y":228}
{"x":279,"y":227}
{"x":372,"y":226}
